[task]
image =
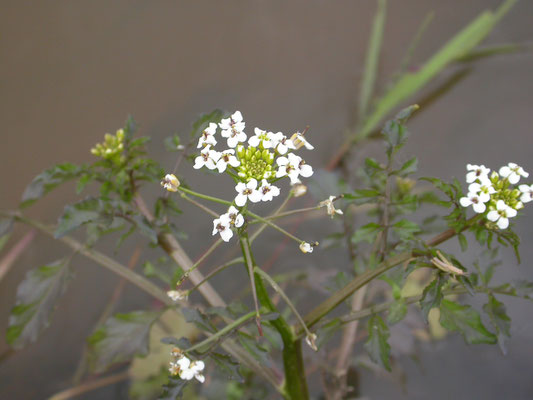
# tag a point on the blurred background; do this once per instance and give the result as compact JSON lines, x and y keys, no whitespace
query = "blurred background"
{"x":72,"y":71}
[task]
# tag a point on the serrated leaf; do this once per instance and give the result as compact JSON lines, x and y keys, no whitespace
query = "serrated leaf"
{"x":227,"y":366}
{"x":173,"y":390}
{"x":499,"y":319}
{"x":465,"y":320}
{"x":432,"y":295}
{"x":37,"y":296}
{"x":198,"y":318}
{"x":377,"y":344}
{"x":6,"y":225}
{"x":366,"y":233}
{"x":408,"y":167}
{"x":397,"y":311}
{"x":405,"y":229}
{"x":78,"y":214}
{"x":121,"y":338}
{"x":48,"y":180}
{"x":363,"y":195}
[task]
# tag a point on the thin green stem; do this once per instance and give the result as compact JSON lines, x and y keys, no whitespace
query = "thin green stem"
{"x":204,"y":196}
{"x":228,"y":328}
{"x":199,"y":261}
{"x":200,"y":205}
{"x":295,"y":385}
{"x":280,"y":291}
{"x":216,"y":271}
{"x":288,"y":213}
{"x":250,"y":266}
{"x":272,"y":225}
{"x":103,"y":260}
{"x":263,"y":226}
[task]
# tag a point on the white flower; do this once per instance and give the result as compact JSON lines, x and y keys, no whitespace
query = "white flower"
{"x":174,"y":369}
{"x":476,"y":201}
{"x":208,"y":136}
{"x":227,"y":157}
{"x":247,"y":191}
{"x":235,"y":218}
{"x":222,"y":225}
{"x":306,"y":247}
{"x":282,"y":143}
{"x":513,"y":172}
{"x":207,"y":157}
{"x":527,"y":193}
{"x":330,"y":207}
{"x":170,"y":182}
{"x":501,"y":215}
{"x":233,"y":129}
{"x":261,"y":136}
{"x":299,"y":190}
{"x":189,"y":370}
{"x":268,"y":191}
{"x":293,"y":166}
{"x":476,"y":172}
{"x":310,"y":339}
{"x":483,"y":190}
{"x":299,"y":140}
{"x":176,"y":295}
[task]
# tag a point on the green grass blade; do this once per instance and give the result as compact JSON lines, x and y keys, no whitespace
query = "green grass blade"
{"x":415,"y":42}
{"x":407,"y":85}
{"x":372,"y":58}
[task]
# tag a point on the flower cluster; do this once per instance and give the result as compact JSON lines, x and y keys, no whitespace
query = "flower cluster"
{"x":185,"y":368}
{"x":493,"y":193}
{"x":255,"y":164}
{"x":111,"y":148}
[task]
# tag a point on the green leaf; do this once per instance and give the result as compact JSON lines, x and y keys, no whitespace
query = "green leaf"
{"x":366,"y":233}
{"x":145,"y":228}
{"x":203,"y":121}
{"x":372,"y":58}
{"x":172,"y":143}
{"x":489,"y":51}
{"x":363,"y":195}
{"x":377,"y":344}
{"x":462,"y":241}
{"x":6,"y":225}
{"x":408,"y":167}
{"x":397,"y":311}
{"x":412,"y":82}
{"x":499,"y":320}
{"x":465,"y":320}
{"x":227,"y":365}
{"x":405,"y":229}
{"x":48,"y":180}
{"x":198,"y":318}
{"x":432,"y":295}
{"x":36,"y":300}
{"x":173,"y":390}
{"x":121,"y":338}
{"x":75,"y":215}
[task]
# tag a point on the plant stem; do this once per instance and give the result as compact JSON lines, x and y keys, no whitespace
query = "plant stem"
{"x":228,"y":328}
{"x":276,"y":227}
{"x":216,"y":271}
{"x":198,"y":262}
{"x":89,"y":386}
{"x":295,"y":385}
{"x":105,"y":261}
{"x":204,"y":196}
{"x":200,"y":205}
{"x":263,"y":226}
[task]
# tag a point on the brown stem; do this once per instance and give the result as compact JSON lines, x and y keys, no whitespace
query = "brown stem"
{"x":89,"y":386}
{"x":9,"y":259}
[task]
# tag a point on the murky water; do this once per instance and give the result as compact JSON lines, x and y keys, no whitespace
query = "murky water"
{"x":72,"y":71}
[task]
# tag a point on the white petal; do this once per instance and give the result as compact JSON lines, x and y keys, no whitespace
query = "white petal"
{"x":474,"y":187}
{"x":186,"y":374}
{"x":198,"y":162}
{"x":241,"y":187}
{"x":236,"y":116}
{"x":510,"y":212}
{"x":500,"y":205}
{"x":479,"y":208}
{"x":226,"y":234}
{"x":184,"y":362}
{"x":198,"y":366}
{"x":221,"y":165}
{"x":239,"y":221}
{"x":233,"y":161}
{"x":254,"y":141}
{"x":471,"y":177}
{"x":513,"y":178}
{"x":465,"y":201}
{"x":282,"y":161}
{"x":210,"y":164}
{"x":252,"y":184}
{"x":281,"y":172}
{"x":200,"y":378}
{"x":233,"y":141}
{"x":503,"y":223}
{"x":240,"y":200}
{"x":505,"y":171}
{"x":526,"y":197}
{"x":255,"y":196}
{"x":493,"y":216}
{"x":484,"y":197}
{"x":306,"y":170}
